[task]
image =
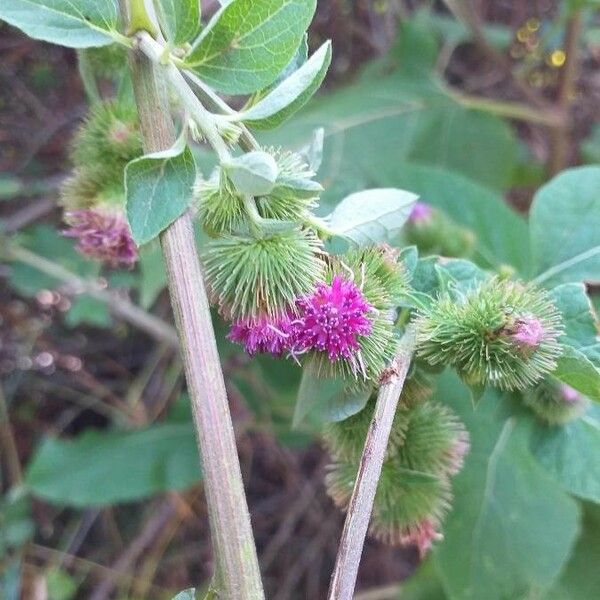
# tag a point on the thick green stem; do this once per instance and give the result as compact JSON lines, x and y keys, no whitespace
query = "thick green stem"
{"x":369,"y":470}
{"x":235,"y":553}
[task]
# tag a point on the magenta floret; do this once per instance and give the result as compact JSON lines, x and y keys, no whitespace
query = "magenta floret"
{"x":331,"y":319}
{"x":263,"y":334}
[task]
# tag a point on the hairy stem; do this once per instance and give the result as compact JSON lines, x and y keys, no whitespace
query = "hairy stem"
{"x":154,"y":51}
{"x":235,"y":553}
{"x":369,"y":471}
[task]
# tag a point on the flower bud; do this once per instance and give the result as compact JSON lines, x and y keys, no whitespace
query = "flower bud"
{"x":435,"y":233}
{"x":221,"y":207}
{"x":382,"y":277}
{"x":555,"y":403}
{"x":295,"y":192}
{"x":251,"y":278}
{"x":502,"y":333}
{"x":427,"y":446}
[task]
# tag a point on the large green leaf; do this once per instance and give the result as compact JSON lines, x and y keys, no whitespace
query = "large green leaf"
{"x":290,"y":95}
{"x":512,"y":527}
{"x":100,"y":468}
{"x":179,"y":19}
{"x":571,"y":454}
{"x":76,"y":24}
{"x":159,"y":187}
{"x":386,"y":120}
{"x":501,"y":234}
{"x":581,"y":577}
{"x":581,"y":327}
{"x":249,"y":42}
{"x":565,"y":237}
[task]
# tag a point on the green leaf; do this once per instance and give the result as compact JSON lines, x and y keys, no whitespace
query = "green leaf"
{"x":100,"y":468}
{"x":372,"y":216}
{"x":61,"y":585}
{"x":76,"y":24}
{"x":571,"y":454}
{"x":581,"y":578}
{"x":501,"y":234}
{"x":90,"y":311}
{"x":326,"y":399}
{"x":386,"y":120}
{"x":299,"y":58}
{"x":581,"y":327}
{"x":159,"y":188}
{"x":578,"y":371}
{"x":16,"y":524}
{"x":189,"y":594}
{"x":10,"y":187}
{"x":512,"y":527}
{"x":290,"y":95}
{"x":253,"y":173}
{"x":564,"y":232}
{"x":179,"y":19}
{"x":248,"y":42}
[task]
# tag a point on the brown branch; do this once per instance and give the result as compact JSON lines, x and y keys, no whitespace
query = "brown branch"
{"x":561,"y":136}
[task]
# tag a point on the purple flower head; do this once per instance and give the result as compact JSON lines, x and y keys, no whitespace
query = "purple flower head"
{"x":420,"y":213}
{"x":569,"y":395}
{"x":103,"y":235}
{"x":528,"y":332}
{"x":331,"y":319}
{"x":263,"y":334}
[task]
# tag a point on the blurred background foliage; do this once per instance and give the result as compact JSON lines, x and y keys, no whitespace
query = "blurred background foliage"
{"x":472,"y":105}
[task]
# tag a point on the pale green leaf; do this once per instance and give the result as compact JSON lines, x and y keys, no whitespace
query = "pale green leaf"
{"x":326,"y":399}
{"x":189,"y":594}
{"x":253,"y":173}
{"x":249,"y":42}
{"x":159,"y":188}
{"x":372,"y":216}
{"x":564,"y":232}
{"x":290,"y":95}
{"x":76,"y":24}
{"x":100,"y":468}
{"x":578,"y":371}
{"x":512,"y":527}
{"x":571,"y":454}
{"x":179,"y":19}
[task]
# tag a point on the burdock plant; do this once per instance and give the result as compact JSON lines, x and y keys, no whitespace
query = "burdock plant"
{"x":336,"y":294}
